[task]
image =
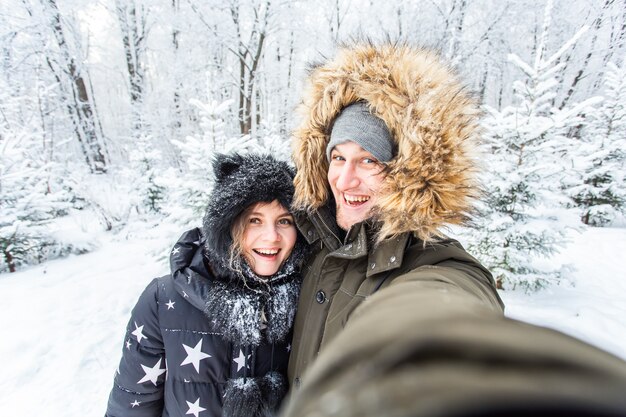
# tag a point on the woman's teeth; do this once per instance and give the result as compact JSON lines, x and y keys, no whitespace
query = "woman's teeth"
{"x":267,"y":252}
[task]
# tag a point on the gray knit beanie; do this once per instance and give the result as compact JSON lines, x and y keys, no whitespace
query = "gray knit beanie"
{"x":357,"y":124}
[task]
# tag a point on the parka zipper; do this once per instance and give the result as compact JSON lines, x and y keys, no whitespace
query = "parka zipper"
{"x":319,"y":216}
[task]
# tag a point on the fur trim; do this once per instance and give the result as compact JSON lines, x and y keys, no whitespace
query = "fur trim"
{"x":251,"y":397}
{"x":431,"y":181}
{"x":237,"y":311}
{"x":235,"y":306}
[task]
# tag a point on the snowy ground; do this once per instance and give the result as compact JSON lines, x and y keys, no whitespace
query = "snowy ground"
{"x":63,"y":321}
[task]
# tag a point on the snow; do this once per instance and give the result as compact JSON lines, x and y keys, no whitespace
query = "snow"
{"x":63,"y":322}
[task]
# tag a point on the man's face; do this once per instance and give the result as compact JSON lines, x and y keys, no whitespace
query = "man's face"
{"x":355,"y":178}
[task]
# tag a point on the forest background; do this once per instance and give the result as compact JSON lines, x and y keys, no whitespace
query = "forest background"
{"x":110,"y":111}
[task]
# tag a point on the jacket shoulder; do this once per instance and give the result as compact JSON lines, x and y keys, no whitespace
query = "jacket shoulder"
{"x":447,"y":260}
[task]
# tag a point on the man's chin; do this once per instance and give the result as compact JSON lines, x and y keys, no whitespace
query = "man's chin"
{"x":346,"y":222}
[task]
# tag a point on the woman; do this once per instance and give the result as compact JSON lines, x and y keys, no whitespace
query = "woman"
{"x":213,"y":337}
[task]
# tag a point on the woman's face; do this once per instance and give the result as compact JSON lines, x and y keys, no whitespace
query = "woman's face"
{"x":268,"y":238}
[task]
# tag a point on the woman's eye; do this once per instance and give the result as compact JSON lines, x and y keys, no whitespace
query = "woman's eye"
{"x":254,"y":220}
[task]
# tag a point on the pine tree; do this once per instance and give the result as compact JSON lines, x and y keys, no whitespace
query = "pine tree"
{"x":599,"y":189}
{"x":189,"y":190}
{"x":32,"y":196}
{"x":145,"y":162}
{"x":521,"y":219}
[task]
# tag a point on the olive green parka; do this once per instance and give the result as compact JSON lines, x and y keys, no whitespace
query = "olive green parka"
{"x":428,"y":184}
{"x":395,"y":319}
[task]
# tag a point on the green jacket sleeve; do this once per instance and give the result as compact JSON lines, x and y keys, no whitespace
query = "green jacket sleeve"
{"x":433,"y":343}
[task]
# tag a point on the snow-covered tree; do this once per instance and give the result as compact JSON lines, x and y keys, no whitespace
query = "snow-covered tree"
{"x":599,"y":188}
{"x":32,"y":197}
{"x":522,"y":219}
{"x":189,"y":188}
{"x":145,"y":163}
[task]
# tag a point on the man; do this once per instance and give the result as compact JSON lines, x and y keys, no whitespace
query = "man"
{"x":384,"y":159}
{"x":404,"y":320}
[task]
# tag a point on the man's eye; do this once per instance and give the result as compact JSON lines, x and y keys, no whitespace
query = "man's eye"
{"x":369,"y":161}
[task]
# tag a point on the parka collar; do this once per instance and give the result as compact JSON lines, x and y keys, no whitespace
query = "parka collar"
{"x":384,"y":256}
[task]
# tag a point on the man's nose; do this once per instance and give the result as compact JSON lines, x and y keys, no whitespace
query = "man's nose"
{"x":347,"y":178}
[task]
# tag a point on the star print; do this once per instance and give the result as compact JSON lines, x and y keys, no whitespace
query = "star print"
{"x":138,"y":332}
{"x":194,"y":408}
{"x":128,"y":344}
{"x":170,"y":305}
{"x":152,"y":374}
{"x":175,"y":250}
{"x":289,"y":347}
{"x":241,"y":360}
{"x":135,"y":404}
{"x":194,"y":355}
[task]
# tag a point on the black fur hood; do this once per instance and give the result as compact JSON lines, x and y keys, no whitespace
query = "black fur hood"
{"x":241,"y":180}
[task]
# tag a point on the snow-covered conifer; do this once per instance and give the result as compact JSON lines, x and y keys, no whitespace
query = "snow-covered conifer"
{"x":32,"y":197}
{"x":599,"y":187}
{"x":521,"y":216}
{"x":145,"y":162}
{"x":189,"y":190}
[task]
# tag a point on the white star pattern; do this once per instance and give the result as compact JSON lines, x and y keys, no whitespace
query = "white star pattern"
{"x":194,"y":408}
{"x":289,"y":347}
{"x":176,"y":250}
{"x":170,"y":305}
{"x":138,"y":333}
{"x":194,"y":355}
{"x":128,"y":344}
{"x":241,"y":360}
{"x":152,"y":374}
{"x":135,"y":404}
{"x":185,"y":294}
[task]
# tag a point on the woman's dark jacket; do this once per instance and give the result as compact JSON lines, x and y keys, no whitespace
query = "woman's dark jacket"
{"x":192,"y":349}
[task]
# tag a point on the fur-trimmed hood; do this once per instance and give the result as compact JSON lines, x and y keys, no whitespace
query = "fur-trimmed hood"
{"x":434,"y":121}
{"x":240,"y":181}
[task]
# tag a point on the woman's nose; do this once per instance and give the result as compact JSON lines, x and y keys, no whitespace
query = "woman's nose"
{"x":271,"y":233}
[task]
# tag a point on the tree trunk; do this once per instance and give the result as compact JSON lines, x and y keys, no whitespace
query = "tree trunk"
{"x":249,"y":56}
{"x":176,"y":124}
{"x":80,"y":108}
{"x":8,"y":258}
{"x":133,"y":40}
{"x":583,"y":69}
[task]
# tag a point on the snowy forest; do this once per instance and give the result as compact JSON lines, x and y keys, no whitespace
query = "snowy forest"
{"x":110,"y":111}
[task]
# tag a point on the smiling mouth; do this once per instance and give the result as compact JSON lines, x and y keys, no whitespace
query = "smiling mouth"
{"x":267,"y":253}
{"x":355,"y":200}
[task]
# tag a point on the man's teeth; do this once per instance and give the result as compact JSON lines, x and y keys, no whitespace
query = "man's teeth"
{"x":267,"y":251}
{"x":356,"y":198}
